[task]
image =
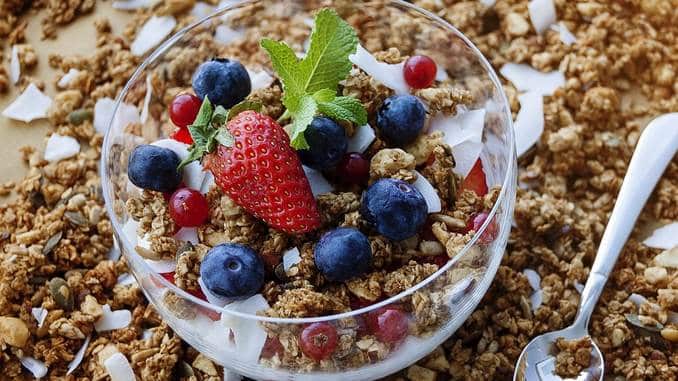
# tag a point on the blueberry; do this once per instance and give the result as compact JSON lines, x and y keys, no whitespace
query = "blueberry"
{"x":394,"y":208}
{"x":154,"y":168}
{"x":232,"y":270}
{"x":342,"y":254}
{"x":401,"y":118}
{"x":225,"y":82}
{"x":327,"y":141}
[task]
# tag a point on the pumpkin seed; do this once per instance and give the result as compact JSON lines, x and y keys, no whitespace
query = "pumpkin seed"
{"x":52,"y":242}
{"x":76,"y":117}
{"x":37,"y":199}
{"x":636,"y":321}
{"x":62,"y":295}
{"x":76,"y":218}
{"x":187,"y":246}
{"x":280,"y":272}
{"x":186,"y":370}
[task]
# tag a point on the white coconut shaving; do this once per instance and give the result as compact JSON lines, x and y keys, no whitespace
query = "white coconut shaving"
{"x":533,"y":279}
{"x":125,"y":279}
{"x":201,"y":10}
{"x":103,"y":113}
{"x":156,"y":29}
{"x":536,"y":300}
{"x":390,"y":75}
{"x":147,"y":334}
{"x":188,"y":235}
{"x":542,"y":14}
{"x":35,"y":366}
{"x":207,"y":183}
{"x":441,"y":74}
{"x":429,"y":192}
{"x":162,"y":266}
{"x":528,"y":79}
{"x":290,"y":258}
{"x":130,"y":5}
{"x":118,"y":368}
{"x":40,"y":314}
{"x":464,"y":126}
{"x":637,"y":299}
{"x":68,"y":78}
{"x":529,"y":123}
{"x":226,"y":35}
{"x":260,"y":79}
{"x":566,"y":37}
{"x":318,"y":182}
{"x":361,"y":139}
{"x":32,"y":104}
{"x":60,"y":147}
{"x":248,"y":334}
{"x":193,"y":173}
{"x":14,"y":65}
{"x":147,"y":99}
{"x":77,"y":359}
{"x":212,"y":298}
{"x":487,"y":3}
{"x":666,"y":237}
{"x":465,"y":156}
{"x":111,"y":320}
{"x":667,"y":258}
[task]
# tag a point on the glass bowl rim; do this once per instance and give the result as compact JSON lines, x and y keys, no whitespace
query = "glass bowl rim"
{"x":167,"y":44}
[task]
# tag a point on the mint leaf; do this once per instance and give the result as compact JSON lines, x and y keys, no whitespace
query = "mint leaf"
{"x":344,"y":108}
{"x":194,"y":153}
{"x":224,"y":137}
{"x":286,"y":64}
{"x":324,"y":95}
{"x":243,"y":106}
{"x":219,"y":116}
{"x":200,"y":133}
{"x":204,"y":114}
{"x":303,"y":117}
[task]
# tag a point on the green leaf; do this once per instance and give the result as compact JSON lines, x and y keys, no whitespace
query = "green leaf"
{"x":286,"y":64}
{"x":307,"y":110}
{"x":224,"y":137}
{"x":204,"y":114}
{"x":194,"y":153}
{"x":220,"y":116}
{"x":345,"y":108}
{"x":243,"y":106}
{"x":324,"y":95}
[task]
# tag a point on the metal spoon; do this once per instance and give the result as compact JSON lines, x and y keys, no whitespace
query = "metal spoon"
{"x":656,"y":147}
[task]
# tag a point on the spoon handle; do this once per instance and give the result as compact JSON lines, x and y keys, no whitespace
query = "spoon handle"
{"x":656,"y":147}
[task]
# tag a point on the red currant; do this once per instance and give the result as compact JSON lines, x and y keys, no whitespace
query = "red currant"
{"x":389,"y":324}
{"x":476,"y":222}
{"x":318,"y":340}
{"x":182,"y":135}
{"x":188,"y":207}
{"x":420,"y":72}
{"x":354,"y":169}
{"x":183,"y":109}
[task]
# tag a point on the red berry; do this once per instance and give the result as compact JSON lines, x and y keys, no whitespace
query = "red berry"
{"x":420,"y":71}
{"x":476,"y":222}
{"x":354,"y":169}
{"x":182,"y":135}
{"x":475,"y":180}
{"x":272,"y":346}
{"x":183,"y":109}
{"x":318,"y":340}
{"x":169,"y":276}
{"x":188,"y":207}
{"x":389,"y":324}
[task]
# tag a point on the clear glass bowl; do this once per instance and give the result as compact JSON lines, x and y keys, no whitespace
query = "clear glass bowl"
{"x":443,"y":301}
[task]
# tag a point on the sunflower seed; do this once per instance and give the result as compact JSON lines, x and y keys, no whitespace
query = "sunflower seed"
{"x":52,"y":242}
{"x":76,"y":218}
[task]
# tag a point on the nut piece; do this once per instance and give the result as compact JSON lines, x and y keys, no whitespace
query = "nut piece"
{"x":91,"y":307}
{"x":394,"y":163}
{"x":13,"y":331}
{"x":655,"y":275}
{"x":670,"y":334}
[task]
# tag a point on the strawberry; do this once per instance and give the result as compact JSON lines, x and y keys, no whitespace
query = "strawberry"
{"x":255,"y":166}
{"x":475,"y":180}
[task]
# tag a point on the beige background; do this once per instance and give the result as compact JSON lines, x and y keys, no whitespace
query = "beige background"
{"x":75,"y":38}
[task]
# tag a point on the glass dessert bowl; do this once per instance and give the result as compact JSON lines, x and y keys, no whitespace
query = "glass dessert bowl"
{"x":411,"y":201}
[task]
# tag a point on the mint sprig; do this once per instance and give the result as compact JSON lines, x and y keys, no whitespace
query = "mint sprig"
{"x":209,"y":128}
{"x":310,"y":85}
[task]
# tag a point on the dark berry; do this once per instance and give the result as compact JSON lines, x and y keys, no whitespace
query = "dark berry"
{"x":389,"y":324}
{"x":420,"y":72}
{"x":353,"y":169}
{"x":182,"y":135}
{"x":343,"y":253}
{"x":183,"y":109}
{"x":154,"y":168}
{"x":394,"y":208}
{"x":188,"y":207}
{"x":225,"y":82}
{"x":232,"y":270}
{"x":401,"y":118}
{"x":476,"y":222}
{"x":318,"y":340}
{"x":327,"y":143}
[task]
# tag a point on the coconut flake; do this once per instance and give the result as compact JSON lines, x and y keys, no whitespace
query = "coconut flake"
{"x":536,"y":299}
{"x":129,"y":5}
{"x":533,"y":279}
{"x":61,"y":147}
{"x":40,"y":314}
{"x":201,"y":10}
{"x":290,"y":258}
{"x":488,"y":3}
{"x":226,"y":35}
{"x":14,"y":65}
{"x":119,"y":368}
{"x":464,"y":126}
{"x":249,"y":336}
{"x":162,"y":266}
{"x":542,"y":14}
{"x":32,"y":104}
{"x":36,"y":367}
{"x":188,"y":235}
{"x":526,"y":78}
{"x":319,"y":185}
{"x":77,"y":359}
{"x":665,"y":237}
{"x":212,"y":298}
{"x":130,"y":230}
{"x":111,"y":320}
{"x":114,"y":252}
{"x":193,"y":173}
{"x":637,"y":299}
{"x":667,"y":258}
{"x":125,"y":279}
{"x":361,"y":139}
{"x":390,"y":75}
{"x":529,"y":124}
{"x":152,"y":33}
{"x":465,"y":156}
{"x":441,"y":74}
{"x":429,"y":192}
{"x":207,"y":183}
{"x":147,"y":334}
{"x":68,"y":78}
{"x":103,"y":113}
{"x":260,"y":79}
{"x":147,"y":100}
{"x":566,"y":37}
